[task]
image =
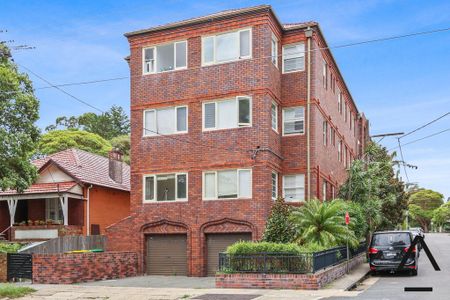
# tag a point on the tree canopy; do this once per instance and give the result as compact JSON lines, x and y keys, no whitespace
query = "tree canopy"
{"x":123,"y":143}
{"x":58,"y":140}
{"x":108,"y":125}
{"x":19,"y":110}
{"x":422,"y":205}
{"x":278,"y":228}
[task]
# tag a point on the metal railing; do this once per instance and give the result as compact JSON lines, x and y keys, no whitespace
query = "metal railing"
{"x":283,"y":263}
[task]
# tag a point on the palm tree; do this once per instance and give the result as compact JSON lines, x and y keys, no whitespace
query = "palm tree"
{"x":322,"y":223}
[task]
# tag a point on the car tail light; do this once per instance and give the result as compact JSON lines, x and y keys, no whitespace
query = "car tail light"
{"x":373,"y":250}
{"x":407,"y":248}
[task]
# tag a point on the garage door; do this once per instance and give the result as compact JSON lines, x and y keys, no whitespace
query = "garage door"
{"x":217,"y":243}
{"x":166,"y":255}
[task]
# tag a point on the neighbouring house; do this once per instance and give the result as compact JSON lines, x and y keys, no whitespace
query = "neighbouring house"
{"x":76,"y":193}
{"x":228,"y":112}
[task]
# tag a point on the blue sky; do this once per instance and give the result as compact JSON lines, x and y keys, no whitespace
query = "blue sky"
{"x":399,"y":84}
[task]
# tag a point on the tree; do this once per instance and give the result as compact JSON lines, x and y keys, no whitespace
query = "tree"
{"x":441,"y":215}
{"x":19,"y":110}
{"x":122,"y":143}
{"x":58,"y":140}
{"x":322,"y":223}
{"x":108,"y":125}
{"x":278,"y":228}
{"x":422,"y":204}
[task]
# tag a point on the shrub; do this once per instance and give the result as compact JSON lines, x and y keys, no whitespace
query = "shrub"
{"x":246,"y":248}
{"x":278,"y":228}
{"x":9,"y":247}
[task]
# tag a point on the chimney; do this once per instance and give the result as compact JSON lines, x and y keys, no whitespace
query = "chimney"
{"x":115,"y":165}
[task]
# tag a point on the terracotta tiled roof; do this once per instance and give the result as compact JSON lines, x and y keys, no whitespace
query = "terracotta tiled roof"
{"x":87,"y":168}
{"x":41,"y":188}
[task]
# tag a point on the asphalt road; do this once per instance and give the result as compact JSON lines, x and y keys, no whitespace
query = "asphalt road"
{"x":391,"y":286}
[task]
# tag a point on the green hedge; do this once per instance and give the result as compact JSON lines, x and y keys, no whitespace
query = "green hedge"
{"x":247,"y":248}
{"x":9,"y":247}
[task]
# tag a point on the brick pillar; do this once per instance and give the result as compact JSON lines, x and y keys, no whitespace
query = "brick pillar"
{"x":196,"y":245}
{"x":3,"y":267}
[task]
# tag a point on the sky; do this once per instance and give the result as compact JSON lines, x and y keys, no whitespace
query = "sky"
{"x":399,"y":84}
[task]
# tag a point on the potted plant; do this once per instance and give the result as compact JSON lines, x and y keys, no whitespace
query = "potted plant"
{"x":30,"y":222}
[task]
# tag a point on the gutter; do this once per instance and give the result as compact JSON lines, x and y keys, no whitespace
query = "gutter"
{"x":88,"y":217}
{"x":308,"y":34}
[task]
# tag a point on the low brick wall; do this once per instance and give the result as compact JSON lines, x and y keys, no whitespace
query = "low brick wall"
{"x":3,"y":267}
{"x":83,"y":267}
{"x":287,"y":281}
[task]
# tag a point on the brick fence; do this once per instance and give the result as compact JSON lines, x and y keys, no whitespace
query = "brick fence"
{"x":287,"y":281}
{"x":3,"y":267}
{"x":83,"y":267}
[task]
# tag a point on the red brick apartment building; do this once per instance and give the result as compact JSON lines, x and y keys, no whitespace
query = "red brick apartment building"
{"x":228,"y":112}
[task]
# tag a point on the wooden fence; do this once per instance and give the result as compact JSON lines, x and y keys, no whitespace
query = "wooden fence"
{"x":69,"y":243}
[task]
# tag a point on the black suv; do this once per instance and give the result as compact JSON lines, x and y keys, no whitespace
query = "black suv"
{"x":387,"y":249}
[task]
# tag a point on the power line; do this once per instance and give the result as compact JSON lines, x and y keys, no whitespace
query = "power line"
{"x":421,"y":139}
{"x":83,"y":82}
{"x":425,"y":125}
{"x":401,"y":155}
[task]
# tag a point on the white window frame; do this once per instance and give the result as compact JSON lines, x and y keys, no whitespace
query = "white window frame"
{"x":147,"y":133}
{"x":276,"y":116}
{"x":304,"y":188}
{"x":156,"y":57}
{"x":324,"y":190}
{"x":333,"y":192}
{"x":300,"y":55}
{"x":274,"y":50}
{"x":214,"y":62}
{"x":325,"y":132}
{"x":276,"y":185}
{"x":339,"y":101}
{"x":304,"y":122}
{"x":155,"y":187}
{"x":216,"y":182}
{"x":238,"y":125}
{"x":325,"y":75}
{"x":340,"y":151}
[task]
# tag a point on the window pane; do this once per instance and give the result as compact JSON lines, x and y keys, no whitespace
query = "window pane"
{"x":245,"y":189}
{"x":274,"y":116}
{"x":149,"y":188}
{"x":294,"y":194}
{"x":210,"y":115}
{"x":227,"y":47}
{"x":274,"y":185}
{"x":166,"y":118}
{"x":293,"y":57}
{"x":149,"y":59}
{"x":165,"y":58}
{"x":227,"y":117}
{"x":210,"y":185}
{"x":149,"y":123}
{"x":180,"y":54}
{"x":294,"y":187}
{"x":274,"y":51}
{"x":208,"y":49}
{"x":244,"y":111}
{"x":181,"y":186}
{"x":245,"y":43}
{"x":227,"y":181}
{"x":165,"y":187}
{"x":181,"y":119}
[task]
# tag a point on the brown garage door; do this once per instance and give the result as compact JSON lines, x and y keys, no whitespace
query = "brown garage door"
{"x":166,"y":255}
{"x":217,"y":243}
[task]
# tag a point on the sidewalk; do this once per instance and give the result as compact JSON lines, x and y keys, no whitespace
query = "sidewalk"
{"x":349,"y":280}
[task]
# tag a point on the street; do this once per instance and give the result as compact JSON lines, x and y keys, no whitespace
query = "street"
{"x":388,"y":286}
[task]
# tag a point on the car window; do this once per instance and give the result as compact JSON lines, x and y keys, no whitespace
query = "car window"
{"x":391,"y":239}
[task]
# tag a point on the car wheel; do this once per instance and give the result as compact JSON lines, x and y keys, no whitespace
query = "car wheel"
{"x":413,"y":272}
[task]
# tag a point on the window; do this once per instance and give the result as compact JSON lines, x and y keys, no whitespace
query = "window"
{"x":274,"y":50}
{"x":53,"y":210}
{"x":226,"y":47}
{"x":274,"y":185}
{"x":345,"y":156}
{"x":227,"y":184}
{"x":274,"y":112}
{"x":293,"y":120}
{"x":351,"y":120}
{"x":325,"y":75}
{"x":325,"y":132}
{"x":294,"y":58}
{"x":229,"y":113}
{"x":332,"y":136}
{"x":324,"y":190}
{"x":165,"y":187}
{"x":294,"y":187}
{"x":339,"y":101}
{"x":340,"y":151}
{"x":345,"y":111}
{"x":333,"y":192}
{"x":332,"y":82}
{"x":168,"y":120}
{"x":164,"y":58}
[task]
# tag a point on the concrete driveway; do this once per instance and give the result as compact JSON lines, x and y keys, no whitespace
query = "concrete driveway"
{"x":158,"y":282}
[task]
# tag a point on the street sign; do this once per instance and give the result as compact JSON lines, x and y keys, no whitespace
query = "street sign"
{"x":347,"y":218}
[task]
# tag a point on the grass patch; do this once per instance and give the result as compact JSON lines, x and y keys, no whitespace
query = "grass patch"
{"x":11,"y":291}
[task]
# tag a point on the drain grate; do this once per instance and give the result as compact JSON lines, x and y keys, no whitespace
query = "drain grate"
{"x":226,"y":297}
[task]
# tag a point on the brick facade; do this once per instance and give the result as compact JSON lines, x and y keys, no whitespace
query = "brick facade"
{"x":3,"y":267}
{"x":197,"y":150}
{"x":287,"y":281}
{"x":73,"y":268}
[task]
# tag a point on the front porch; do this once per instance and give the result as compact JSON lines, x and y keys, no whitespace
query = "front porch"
{"x":41,"y":216}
